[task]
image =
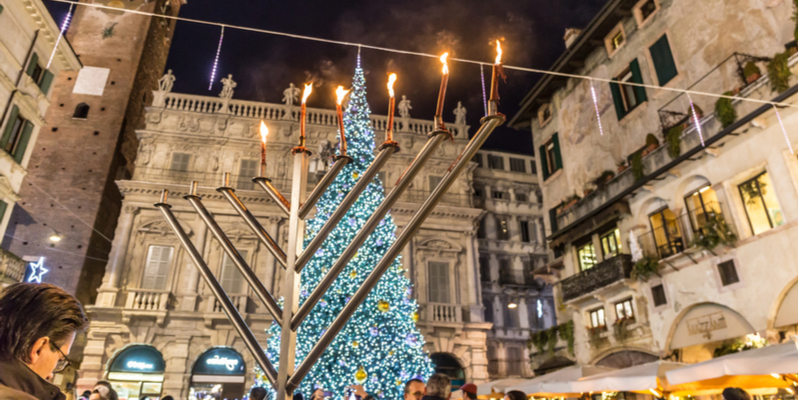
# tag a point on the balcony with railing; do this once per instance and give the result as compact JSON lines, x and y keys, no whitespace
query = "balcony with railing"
{"x":448,"y":199}
{"x":603,"y":274}
{"x":679,"y":235}
{"x":279,"y":112}
{"x":516,"y":278}
{"x":215,"y":313}
{"x":12,"y":268}
{"x":440,"y":313}
{"x":147,"y":303}
{"x":674,"y":114}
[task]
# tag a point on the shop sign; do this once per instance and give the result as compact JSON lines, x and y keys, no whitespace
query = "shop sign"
{"x":219,"y":361}
{"x":139,"y":358}
{"x":705,"y":324}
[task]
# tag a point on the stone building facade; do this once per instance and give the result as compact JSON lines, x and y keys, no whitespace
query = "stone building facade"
{"x":640,"y":218}
{"x":511,"y":247}
{"x":152,"y":303}
{"x":27,"y":40}
{"x":87,"y":140}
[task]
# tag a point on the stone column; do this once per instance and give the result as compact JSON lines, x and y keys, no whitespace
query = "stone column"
{"x":513,"y":228}
{"x":176,"y":355}
{"x":107,"y":293}
{"x":490,"y":223}
{"x":190,"y":290}
{"x":473,"y":286}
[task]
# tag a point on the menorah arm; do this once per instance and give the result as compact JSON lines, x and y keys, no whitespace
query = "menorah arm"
{"x":233,"y":315}
{"x":254,"y":225}
{"x":249,"y":275}
{"x":326,"y":181}
{"x":435,"y":138}
{"x":489,"y":124}
{"x":273,"y":192}
{"x":386,"y":151}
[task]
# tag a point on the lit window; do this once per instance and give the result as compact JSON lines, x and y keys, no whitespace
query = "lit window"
{"x":586,"y":256}
{"x":761,"y":204}
{"x":615,"y":40}
{"x":610,"y":242}
{"x":702,"y":206}
{"x":666,"y":233}
{"x":502,"y":228}
{"x":630,"y":97}
{"x":539,"y":308}
{"x":624,"y":309}
{"x":598,"y":318}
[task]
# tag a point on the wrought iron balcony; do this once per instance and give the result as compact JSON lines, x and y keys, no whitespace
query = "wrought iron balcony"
{"x":601,"y":275}
{"x":525,"y":278}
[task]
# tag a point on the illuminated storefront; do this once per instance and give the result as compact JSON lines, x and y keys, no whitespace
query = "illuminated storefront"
{"x":218,"y":374}
{"x":137,"y":372}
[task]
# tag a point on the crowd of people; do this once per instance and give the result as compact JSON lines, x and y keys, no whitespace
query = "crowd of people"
{"x":38,"y":324}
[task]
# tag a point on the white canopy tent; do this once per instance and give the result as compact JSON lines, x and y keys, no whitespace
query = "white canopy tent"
{"x":646,"y":378}
{"x":751,"y":369}
{"x":497,"y":388}
{"x":558,"y":383}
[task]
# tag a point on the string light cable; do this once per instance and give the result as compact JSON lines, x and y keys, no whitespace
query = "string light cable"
{"x":57,"y":250}
{"x":216,"y":58}
{"x":68,"y":210}
{"x":421,"y":54}
{"x":64,"y":26}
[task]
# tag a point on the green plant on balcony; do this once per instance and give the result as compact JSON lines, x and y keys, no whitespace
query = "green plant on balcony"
{"x":552,"y":338}
{"x":595,"y":335}
{"x":751,"y":72}
{"x":621,"y":166}
{"x":621,"y":332}
{"x":778,"y":72}
{"x":539,"y":340}
{"x":566,"y":331}
{"x":636,"y":166}
{"x":726,"y":114}
{"x":605,"y":176}
{"x":645,"y":268}
{"x":697,"y":110}
{"x":674,"y":141}
{"x":715,"y":232}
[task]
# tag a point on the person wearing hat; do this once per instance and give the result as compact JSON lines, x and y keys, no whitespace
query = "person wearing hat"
{"x":470,"y":391}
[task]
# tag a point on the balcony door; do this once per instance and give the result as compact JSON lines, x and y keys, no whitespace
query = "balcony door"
{"x":439,"y":282}
{"x":666,"y":233}
{"x":156,"y":270}
{"x":231,"y":278}
{"x":702,"y":205}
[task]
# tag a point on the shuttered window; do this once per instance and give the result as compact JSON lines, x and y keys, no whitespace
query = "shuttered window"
{"x":628,"y":97}
{"x":663,"y":62}
{"x":517,"y":164}
{"x":248,"y":169}
{"x":16,"y":135}
{"x":496,"y":162}
{"x":156,"y":270}
{"x":439,"y":282}
{"x":524,"y":232}
{"x":180,"y":162}
{"x":232,"y":279}
{"x":42,"y":77}
{"x":550,"y":154}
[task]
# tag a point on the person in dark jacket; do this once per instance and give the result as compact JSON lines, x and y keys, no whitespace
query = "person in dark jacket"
{"x":437,"y":388}
{"x":38,"y":323}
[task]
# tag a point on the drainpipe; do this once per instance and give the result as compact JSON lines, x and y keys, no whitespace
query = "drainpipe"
{"x":19,"y":77}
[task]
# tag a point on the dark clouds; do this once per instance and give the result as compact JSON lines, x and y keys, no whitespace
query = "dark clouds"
{"x":264,"y":65}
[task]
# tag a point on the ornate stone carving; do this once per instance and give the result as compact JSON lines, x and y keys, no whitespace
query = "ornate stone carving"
{"x":166,"y":82}
{"x":228,"y":84}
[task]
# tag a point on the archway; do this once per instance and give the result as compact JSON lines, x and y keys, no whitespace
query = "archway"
{"x":137,"y":371}
{"x":625,"y":359}
{"x":784,"y":310}
{"x":702,"y":328}
{"x":218,"y":373}
{"x":449,"y":365}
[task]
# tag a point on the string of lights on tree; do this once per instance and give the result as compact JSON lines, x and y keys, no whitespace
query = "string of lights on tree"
{"x":381,"y":346}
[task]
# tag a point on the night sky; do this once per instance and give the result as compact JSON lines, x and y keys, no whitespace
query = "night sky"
{"x":264,"y":65}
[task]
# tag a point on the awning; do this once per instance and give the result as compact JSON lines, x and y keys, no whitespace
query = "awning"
{"x":751,"y":369}
{"x":558,"y":383}
{"x":497,"y":389}
{"x":644,"y":378}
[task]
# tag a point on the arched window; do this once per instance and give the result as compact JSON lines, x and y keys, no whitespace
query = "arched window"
{"x":81,"y":111}
{"x":446,"y":364}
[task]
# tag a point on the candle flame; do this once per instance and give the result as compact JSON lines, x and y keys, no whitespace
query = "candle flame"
{"x":390,"y":84}
{"x":340,"y":93}
{"x":499,"y":53}
{"x":264,"y":132}
{"x":307,"y":91}
{"x":443,"y":59}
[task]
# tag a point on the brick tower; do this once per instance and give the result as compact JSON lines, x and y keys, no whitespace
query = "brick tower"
{"x":89,"y":141}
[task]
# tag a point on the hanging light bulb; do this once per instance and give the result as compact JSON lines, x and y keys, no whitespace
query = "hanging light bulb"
{"x":512,"y":304}
{"x":56,"y":237}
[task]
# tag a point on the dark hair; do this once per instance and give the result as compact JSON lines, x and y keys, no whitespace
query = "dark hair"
{"x":258,"y":393}
{"x":409,"y":382}
{"x":112,"y":394}
{"x":516,"y":395}
{"x":438,"y":385}
{"x":735,"y":393}
{"x":471,"y":396}
{"x":167,"y":398}
{"x":57,"y":315}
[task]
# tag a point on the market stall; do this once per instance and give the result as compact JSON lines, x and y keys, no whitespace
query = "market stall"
{"x":558,"y":383}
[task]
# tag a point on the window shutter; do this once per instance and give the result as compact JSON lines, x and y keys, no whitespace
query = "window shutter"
{"x":557,"y":151}
{"x":663,"y":61}
{"x":12,"y":117}
{"x":617,"y":95}
{"x":3,"y":207}
{"x":553,"y":221}
{"x":32,"y":64}
{"x":47,"y":79}
{"x":543,"y":159}
{"x":23,"y":142}
{"x":636,"y":73}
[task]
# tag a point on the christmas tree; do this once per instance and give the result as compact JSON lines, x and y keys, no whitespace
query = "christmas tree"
{"x":380,"y":347}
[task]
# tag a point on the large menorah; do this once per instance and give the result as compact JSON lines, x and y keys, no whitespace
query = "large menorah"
{"x":288,"y":376}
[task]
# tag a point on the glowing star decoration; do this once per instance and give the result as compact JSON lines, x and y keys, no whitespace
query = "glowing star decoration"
{"x":596,"y":109}
{"x":372,"y":356}
{"x":696,"y":120}
{"x":37,"y":271}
